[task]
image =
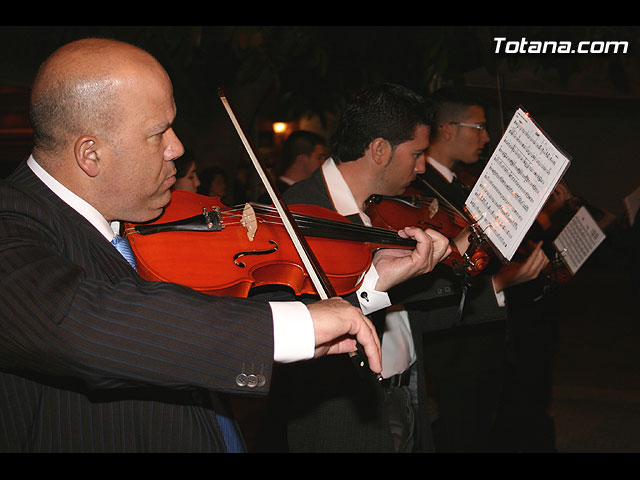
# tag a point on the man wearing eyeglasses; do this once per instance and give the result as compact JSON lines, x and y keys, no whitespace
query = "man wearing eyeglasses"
{"x":461,"y":141}
{"x":465,"y":327}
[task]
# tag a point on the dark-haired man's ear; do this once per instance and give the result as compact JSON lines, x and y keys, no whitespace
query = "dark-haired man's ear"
{"x":380,"y":149}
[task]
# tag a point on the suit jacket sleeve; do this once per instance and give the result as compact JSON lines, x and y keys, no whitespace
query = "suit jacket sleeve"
{"x":70,"y":306}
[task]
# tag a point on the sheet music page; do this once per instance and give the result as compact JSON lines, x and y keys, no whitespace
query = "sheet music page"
{"x":515,"y":184}
{"x":578,"y":239}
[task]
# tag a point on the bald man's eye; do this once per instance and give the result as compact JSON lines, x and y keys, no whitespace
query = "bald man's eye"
{"x":156,"y":137}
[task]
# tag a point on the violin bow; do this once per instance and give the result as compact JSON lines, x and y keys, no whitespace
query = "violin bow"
{"x":316,"y":273}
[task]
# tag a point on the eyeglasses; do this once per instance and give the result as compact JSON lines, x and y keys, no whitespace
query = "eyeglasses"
{"x":478,"y":126}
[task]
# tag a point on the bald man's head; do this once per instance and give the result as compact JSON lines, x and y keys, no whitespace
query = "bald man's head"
{"x":102,"y":114}
{"x":77,"y":91}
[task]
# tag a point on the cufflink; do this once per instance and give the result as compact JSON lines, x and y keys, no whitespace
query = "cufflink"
{"x":364,"y":296}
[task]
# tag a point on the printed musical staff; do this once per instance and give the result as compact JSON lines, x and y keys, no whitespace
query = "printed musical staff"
{"x":515,"y":184}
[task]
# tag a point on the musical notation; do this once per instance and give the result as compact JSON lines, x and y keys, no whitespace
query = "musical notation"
{"x":515,"y":184}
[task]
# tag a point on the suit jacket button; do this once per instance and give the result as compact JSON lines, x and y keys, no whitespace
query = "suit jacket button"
{"x":252,"y":381}
{"x":262,"y":380}
{"x":242,"y":380}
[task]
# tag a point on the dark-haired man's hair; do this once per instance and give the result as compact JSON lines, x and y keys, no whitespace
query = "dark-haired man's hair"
{"x":386,"y":111}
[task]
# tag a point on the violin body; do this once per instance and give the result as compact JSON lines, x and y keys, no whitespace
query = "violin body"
{"x":238,"y":253}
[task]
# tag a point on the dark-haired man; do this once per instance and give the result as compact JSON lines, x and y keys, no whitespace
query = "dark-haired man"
{"x":378,"y":148}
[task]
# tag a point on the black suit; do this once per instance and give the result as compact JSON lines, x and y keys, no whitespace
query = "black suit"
{"x":95,"y":359}
{"x":325,"y":404}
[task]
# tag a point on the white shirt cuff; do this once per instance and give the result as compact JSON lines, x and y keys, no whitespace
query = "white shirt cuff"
{"x":500,"y":298}
{"x":293,"y":335}
{"x":371,"y":300}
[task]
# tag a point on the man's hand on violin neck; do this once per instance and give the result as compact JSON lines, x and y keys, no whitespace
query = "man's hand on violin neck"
{"x":395,"y":266}
{"x":515,"y":273}
{"x":337,"y":325}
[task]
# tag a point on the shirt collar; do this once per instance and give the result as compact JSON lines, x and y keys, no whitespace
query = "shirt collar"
{"x":286,"y":180}
{"x":444,"y":171}
{"x":74,"y":201}
{"x":340,"y":193}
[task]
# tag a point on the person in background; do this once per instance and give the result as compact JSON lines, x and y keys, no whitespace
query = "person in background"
{"x":186,"y":173}
{"x":213,"y":182}
{"x":302,"y":153}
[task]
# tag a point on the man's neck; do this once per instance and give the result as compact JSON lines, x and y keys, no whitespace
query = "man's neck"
{"x":295,"y":173}
{"x":441,"y":157}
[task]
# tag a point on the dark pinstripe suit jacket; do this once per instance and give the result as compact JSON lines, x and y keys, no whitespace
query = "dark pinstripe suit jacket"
{"x":92,"y":358}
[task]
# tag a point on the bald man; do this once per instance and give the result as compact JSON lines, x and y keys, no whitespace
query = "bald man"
{"x":92,"y":357}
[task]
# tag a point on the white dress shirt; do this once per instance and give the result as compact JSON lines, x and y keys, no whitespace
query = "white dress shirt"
{"x":398,"y":351}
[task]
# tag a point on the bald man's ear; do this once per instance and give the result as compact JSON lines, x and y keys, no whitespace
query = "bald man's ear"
{"x":86,"y":154}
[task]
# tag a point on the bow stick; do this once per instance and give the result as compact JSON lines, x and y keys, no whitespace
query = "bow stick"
{"x":316,"y":273}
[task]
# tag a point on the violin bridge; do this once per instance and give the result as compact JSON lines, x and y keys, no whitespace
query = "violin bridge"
{"x":433,"y":208}
{"x":249,"y":221}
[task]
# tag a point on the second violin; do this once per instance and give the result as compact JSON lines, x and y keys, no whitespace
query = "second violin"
{"x":414,"y":209}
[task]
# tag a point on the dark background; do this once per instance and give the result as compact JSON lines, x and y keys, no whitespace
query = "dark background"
{"x":588,"y":104}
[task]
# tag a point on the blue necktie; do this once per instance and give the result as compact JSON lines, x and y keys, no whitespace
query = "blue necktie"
{"x":229,"y":432}
{"x":122,"y":245}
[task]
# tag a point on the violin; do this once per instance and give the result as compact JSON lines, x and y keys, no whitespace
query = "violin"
{"x":218,"y":250}
{"x":415,"y":209}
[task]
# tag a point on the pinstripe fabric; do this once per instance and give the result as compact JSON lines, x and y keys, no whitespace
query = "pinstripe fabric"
{"x":93,"y":358}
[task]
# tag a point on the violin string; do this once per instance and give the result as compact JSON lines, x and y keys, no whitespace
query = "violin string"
{"x":326,"y":227}
{"x":422,"y":203}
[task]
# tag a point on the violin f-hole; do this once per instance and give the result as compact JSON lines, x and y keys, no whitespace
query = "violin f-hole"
{"x":254,"y":252}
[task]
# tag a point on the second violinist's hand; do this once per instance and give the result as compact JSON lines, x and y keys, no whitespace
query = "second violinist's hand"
{"x":462,"y":240}
{"x":396,"y":265}
{"x":337,"y":325}
{"x":515,"y":273}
